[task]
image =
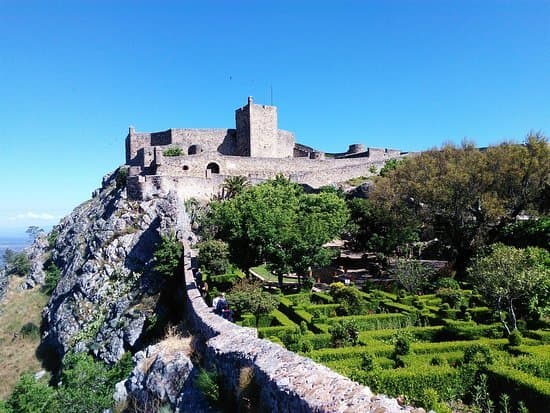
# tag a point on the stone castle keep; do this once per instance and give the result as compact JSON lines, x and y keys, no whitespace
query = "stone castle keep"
{"x":196,"y":162}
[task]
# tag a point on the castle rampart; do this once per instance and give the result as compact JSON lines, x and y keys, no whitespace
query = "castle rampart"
{"x":256,"y":149}
{"x":286,"y":382}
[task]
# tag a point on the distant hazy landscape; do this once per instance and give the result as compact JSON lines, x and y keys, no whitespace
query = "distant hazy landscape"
{"x":13,"y":242}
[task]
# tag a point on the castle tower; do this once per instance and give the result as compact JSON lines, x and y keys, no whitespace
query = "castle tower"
{"x":257,"y":133}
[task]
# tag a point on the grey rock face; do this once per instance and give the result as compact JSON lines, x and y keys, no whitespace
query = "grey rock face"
{"x":36,"y":253}
{"x":163,"y":376}
{"x":107,"y":288}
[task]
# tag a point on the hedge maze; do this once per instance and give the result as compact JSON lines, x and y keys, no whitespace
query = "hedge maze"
{"x":429,"y":349}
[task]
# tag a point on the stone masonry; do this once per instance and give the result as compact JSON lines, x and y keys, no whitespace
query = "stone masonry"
{"x":256,"y":149}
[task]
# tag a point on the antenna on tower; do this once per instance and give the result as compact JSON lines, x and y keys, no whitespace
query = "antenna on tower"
{"x":271,"y":88}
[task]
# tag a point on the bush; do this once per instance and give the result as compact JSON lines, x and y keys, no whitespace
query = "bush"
{"x":534,"y":391}
{"x":208,"y":383}
{"x":53,"y":274}
{"x":248,"y":297}
{"x":121,"y":178}
{"x":515,"y":338}
{"x":173,"y":151}
{"x":88,"y":384}
{"x":30,"y":330}
{"x":478,"y":355}
{"x":17,"y":262}
{"x":344,"y":333}
{"x":350,"y":299}
{"x":167,"y":255}
{"x":402,"y":343}
{"x":214,"y":256}
{"x":30,"y":396}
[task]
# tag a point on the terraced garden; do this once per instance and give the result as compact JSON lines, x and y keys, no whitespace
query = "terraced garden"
{"x":429,"y":349}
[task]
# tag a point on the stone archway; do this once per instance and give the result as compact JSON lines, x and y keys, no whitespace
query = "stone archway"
{"x":212,"y":168}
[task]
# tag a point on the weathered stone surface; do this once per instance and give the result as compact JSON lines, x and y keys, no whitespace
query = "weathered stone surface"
{"x":107,"y":287}
{"x":163,"y":376}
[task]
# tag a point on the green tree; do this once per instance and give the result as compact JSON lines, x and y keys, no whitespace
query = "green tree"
{"x":31,"y":395}
{"x":17,"y":262}
{"x":516,"y":282}
{"x":234,"y":185}
{"x":167,"y":255}
{"x":87,"y":384}
{"x":53,"y":274}
{"x":33,"y":231}
{"x":249,"y":297}
{"x":465,"y":196}
{"x":278,"y":223}
{"x":412,"y":275}
{"x":377,"y":226}
{"x":214,"y":256}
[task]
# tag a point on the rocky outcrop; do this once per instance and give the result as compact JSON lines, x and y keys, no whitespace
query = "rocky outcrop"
{"x":108,"y":292}
{"x":37,"y":253}
{"x":163,"y":375}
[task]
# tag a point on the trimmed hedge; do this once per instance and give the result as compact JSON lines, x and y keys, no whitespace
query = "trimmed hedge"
{"x":318,"y":297}
{"x":468,"y":330}
{"x":534,"y":391}
{"x":378,"y":321}
{"x":327,"y":310}
{"x":278,"y":331}
{"x":397,"y":307}
{"x":542,"y":335}
{"x":281,"y":318}
{"x":413,"y":382}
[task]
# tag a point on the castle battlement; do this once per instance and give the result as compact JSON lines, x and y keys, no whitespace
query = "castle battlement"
{"x":194,"y":161}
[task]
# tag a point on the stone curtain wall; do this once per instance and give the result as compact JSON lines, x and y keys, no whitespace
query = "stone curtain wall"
{"x":287,"y":382}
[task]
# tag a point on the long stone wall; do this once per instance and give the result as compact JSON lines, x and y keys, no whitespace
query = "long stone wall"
{"x":286,"y":382}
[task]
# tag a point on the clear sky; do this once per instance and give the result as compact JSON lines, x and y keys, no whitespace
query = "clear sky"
{"x":403,"y":74}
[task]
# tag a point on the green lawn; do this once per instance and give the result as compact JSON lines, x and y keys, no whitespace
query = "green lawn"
{"x":268,"y":276}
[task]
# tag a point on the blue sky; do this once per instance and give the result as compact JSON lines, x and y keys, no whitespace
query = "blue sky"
{"x":403,"y":74}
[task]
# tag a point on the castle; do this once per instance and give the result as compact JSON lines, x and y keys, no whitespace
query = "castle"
{"x":196,"y":162}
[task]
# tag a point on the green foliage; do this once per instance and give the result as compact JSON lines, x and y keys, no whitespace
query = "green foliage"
{"x":463,"y":194}
{"x":121,"y":177}
{"x":349,"y":298}
{"x":508,"y":276}
{"x":53,"y":274}
{"x":529,"y":233}
{"x":17,"y":262}
{"x":534,"y":391}
{"x":167,"y":256}
{"x":208,"y":383}
{"x":173,"y":151}
{"x":249,"y":297}
{"x":214,"y":256}
{"x":33,"y":232}
{"x":87,"y":384}
{"x":344,"y":333}
{"x":30,"y":396}
{"x":401,"y":343}
{"x":380,"y":228}
{"x":278,"y":223}
{"x":412,"y":275}
{"x":52,"y":237}
{"x":431,"y":401}
{"x":30,"y":330}
{"x":478,"y":355}
{"x":390,"y":165}
{"x":515,"y":338}
{"x":234,"y":185}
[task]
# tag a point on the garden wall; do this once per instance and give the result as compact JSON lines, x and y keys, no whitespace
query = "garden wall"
{"x":284,"y":381}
